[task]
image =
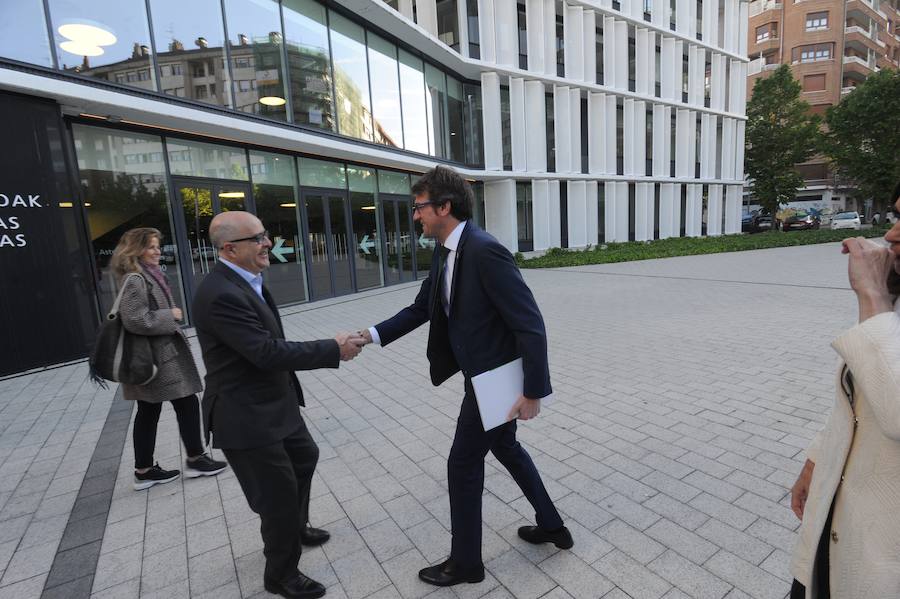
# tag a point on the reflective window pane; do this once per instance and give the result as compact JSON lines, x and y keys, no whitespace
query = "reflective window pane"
{"x":393,"y":182}
{"x":254,"y":30}
{"x":123,"y":182}
{"x":412,"y":94}
{"x":23,"y":33}
{"x":365,"y":240}
{"x":340,"y":245}
{"x":190,"y":47}
{"x":107,"y":39}
{"x":351,"y":78}
{"x":320,"y":173}
{"x":437,"y":115}
{"x":309,"y":60}
{"x":386,"y":94}
{"x":448,"y":23}
{"x":455,"y":104}
{"x":473,"y":124}
{"x":274,"y":192}
{"x":198,"y":159}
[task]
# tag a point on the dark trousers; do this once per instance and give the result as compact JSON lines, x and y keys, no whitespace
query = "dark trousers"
{"x":465,"y":477}
{"x":187,"y":410}
{"x":276,"y":480}
{"x":821,"y":578}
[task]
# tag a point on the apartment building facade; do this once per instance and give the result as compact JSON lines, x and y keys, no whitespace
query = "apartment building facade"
{"x":832,"y":46}
{"x":578,"y":122}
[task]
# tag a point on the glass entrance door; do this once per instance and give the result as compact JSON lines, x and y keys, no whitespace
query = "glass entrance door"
{"x":330,"y":246}
{"x":200,"y":202}
{"x":399,"y":238}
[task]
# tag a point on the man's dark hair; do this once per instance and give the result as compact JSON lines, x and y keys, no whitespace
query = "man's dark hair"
{"x":443,"y":184}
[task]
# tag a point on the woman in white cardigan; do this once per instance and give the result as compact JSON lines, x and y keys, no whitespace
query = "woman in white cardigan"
{"x":848,"y":493}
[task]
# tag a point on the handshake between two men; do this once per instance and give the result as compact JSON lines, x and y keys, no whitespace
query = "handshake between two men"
{"x":351,"y":344}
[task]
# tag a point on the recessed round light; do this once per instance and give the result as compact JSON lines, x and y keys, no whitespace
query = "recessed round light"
{"x":81,"y":49}
{"x":272,"y":101}
{"x":85,"y":33}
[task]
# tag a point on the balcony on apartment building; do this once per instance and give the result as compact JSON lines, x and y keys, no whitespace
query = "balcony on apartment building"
{"x":858,"y":33}
{"x":863,"y":10}
{"x":758,"y":7}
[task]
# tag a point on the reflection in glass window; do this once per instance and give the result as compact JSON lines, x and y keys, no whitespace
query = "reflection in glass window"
{"x":198,"y":159}
{"x":478,"y":208}
{"x":365,"y":239}
{"x":412,"y":93}
{"x":23,"y":33}
{"x":473,"y":124}
{"x":386,"y":94}
{"x":436,"y":104}
{"x":190,"y":39}
{"x":274,"y":191}
{"x":455,"y":104}
{"x":103,"y":39}
{"x":393,"y":182}
{"x":448,"y":23}
{"x":309,"y":60}
{"x":321,"y":173}
{"x":506,"y":128}
{"x":524,"y":216}
{"x":351,"y":77}
{"x":121,"y":193}
{"x":254,"y":30}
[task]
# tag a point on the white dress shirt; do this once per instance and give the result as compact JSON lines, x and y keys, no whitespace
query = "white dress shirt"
{"x":256,"y":281}
{"x":451,"y":243}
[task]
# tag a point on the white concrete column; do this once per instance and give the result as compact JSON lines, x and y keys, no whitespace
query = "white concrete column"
{"x":506,"y":32}
{"x":426,"y":16}
{"x":711,"y":22}
{"x":609,"y":211}
{"x":487,"y":30}
{"x":717,"y":82}
{"x":696,"y":66}
{"x":743,"y":26}
{"x":575,"y":128}
{"x":659,"y":14}
{"x":635,"y":9}
{"x":644,"y":61}
{"x":643,"y":211}
{"x":640,"y":138}
{"x":406,"y":8}
{"x":500,"y":212}
{"x":621,"y":211}
{"x":573,"y":41}
{"x":609,"y":52}
{"x":535,"y":127}
{"x":693,"y":217}
{"x":708,"y":145}
{"x":684,"y":144}
{"x":576,"y":209}
{"x":534,"y":25}
{"x":517,"y":122}
{"x":739,"y":150}
{"x":540,"y":200}
{"x":683,"y":16}
{"x":676,"y":212}
{"x":591,"y":212}
{"x":667,"y":210}
{"x":589,"y":40}
{"x":555,"y":230}
{"x":662,"y":125}
{"x":621,"y":40}
{"x":628,"y":137}
{"x":733,"y":195}
{"x":610,"y":137}
{"x":491,"y":121}
{"x":728,"y":147}
{"x":737,"y":80}
{"x":714,"y":211}
{"x":731,"y":34}
{"x":462,"y":19}
{"x":563,"y":131}
{"x":598,"y":131}
{"x":669,"y":72}
{"x":549,"y":37}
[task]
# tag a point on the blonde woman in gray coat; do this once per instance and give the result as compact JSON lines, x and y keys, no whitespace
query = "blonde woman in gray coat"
{"x":148,"y":308}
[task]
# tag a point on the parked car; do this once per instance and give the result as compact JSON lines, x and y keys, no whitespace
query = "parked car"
{"x":748,"y":223}
{"x":800,"y":221}
{"x":846,"y":220}
{"x":764,"y":223}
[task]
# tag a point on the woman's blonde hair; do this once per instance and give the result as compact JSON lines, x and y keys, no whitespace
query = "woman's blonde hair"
{"x":128,"y":252}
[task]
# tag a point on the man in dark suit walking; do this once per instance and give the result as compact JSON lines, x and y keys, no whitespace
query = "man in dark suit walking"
{"x":252,"y":394}
{"x":482,"y":315}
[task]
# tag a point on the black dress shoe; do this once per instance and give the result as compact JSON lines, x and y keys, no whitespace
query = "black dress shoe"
{"x":535,"y":534}
{"x":297,"y":586}
{"x":449,"y":573}
{"x":311,"y":537}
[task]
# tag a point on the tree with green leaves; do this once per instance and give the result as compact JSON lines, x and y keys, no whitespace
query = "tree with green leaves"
{"x":862,"y":140}
{"x":781,"y":132}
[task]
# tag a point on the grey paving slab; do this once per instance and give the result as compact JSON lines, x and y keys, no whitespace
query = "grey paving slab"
{"x":686,"y":391}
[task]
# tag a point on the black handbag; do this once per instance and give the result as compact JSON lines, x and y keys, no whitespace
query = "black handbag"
{"x":118,"y":355}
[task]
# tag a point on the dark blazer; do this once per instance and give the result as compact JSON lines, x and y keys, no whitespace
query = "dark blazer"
{"x":493,"y":316}
{"x":252,"y":393}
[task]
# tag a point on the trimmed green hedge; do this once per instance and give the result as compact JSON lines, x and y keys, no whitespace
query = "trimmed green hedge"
{"x":687,"y":246}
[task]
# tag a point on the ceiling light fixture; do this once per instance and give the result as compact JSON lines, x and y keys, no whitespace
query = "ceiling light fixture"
{"x":231,"y":194}
{"x":272,"y":101}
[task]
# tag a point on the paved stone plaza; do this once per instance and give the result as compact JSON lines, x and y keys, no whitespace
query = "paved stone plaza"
{"x":686,"y":391}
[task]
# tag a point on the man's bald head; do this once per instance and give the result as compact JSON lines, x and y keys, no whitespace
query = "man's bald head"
{"x":235,"y":224}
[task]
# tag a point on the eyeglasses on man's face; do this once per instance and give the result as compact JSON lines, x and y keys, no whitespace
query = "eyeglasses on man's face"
{"x":258,"y":239}
{"x":420,"y":205}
